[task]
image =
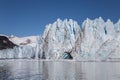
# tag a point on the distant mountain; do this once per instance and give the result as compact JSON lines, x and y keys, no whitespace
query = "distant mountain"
{"x":5,"y":43}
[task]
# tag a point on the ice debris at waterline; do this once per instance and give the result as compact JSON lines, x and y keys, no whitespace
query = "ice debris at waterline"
{"x":93,"y":40}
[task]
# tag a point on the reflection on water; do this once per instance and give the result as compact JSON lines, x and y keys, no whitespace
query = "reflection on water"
{"x":4,"y":73}
{"x":58,"y":70}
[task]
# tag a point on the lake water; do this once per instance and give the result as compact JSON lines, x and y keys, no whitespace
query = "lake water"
{"x":58,"y":70}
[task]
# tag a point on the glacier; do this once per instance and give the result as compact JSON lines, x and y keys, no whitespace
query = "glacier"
{"x":31,"y":50}
{"x":93,"y":40}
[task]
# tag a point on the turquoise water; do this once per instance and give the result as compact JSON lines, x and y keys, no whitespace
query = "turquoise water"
{"x":58,"y":70}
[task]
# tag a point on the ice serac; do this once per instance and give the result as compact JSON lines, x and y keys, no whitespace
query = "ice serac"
{"x":60,"y":38}
{"x":100,"y":40}
{"x":94,"y":33}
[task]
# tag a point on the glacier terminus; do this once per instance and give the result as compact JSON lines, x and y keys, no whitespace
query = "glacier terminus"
{"x":66,"y":39}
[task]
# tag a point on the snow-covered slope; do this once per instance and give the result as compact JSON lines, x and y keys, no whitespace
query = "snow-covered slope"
{"x":28,"y":41}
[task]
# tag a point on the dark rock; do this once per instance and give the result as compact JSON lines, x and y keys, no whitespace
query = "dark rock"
{"x":6,"y":43}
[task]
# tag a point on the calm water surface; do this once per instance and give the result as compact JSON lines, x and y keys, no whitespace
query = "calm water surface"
{"x":58,"y":70}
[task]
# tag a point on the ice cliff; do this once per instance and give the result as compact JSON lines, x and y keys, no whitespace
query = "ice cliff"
{"x":95,"y":39}
{"x":61,"y":37}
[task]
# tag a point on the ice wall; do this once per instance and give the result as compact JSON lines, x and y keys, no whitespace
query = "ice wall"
{"x":95,"y":39}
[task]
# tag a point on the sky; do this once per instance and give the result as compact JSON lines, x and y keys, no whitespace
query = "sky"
{"x":29,"y":17}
